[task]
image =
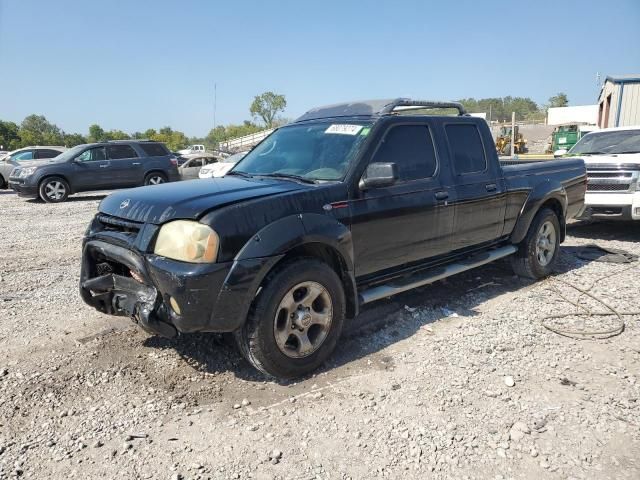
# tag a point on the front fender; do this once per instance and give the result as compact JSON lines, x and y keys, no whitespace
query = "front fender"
{"x":264,"y":250}
{"x":539,"y":195}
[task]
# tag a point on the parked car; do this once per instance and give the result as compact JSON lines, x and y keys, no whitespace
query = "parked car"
{"x":190,"y":169}
{"x":192,"y":149}
{"x":96,"y":166}
{"x":347,"y":205}
{"x":612,"y":156}
{"x":220,"y":168}
{"x":24,"y":156}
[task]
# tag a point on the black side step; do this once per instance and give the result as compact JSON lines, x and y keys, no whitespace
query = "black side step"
{"x":431,"y":275}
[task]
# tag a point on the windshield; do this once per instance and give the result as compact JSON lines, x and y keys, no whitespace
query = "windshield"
{"x":614,"y":142}
{"x":319,"y":151}
{"x":69,"y":154}
{"x":235,"y":158}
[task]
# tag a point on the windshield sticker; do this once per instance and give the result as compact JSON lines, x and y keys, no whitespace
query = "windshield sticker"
{"x":365,"y":131}
{"x":344,"y":129}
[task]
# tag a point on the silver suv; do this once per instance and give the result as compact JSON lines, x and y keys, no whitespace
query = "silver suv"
{"x":24,"y":156}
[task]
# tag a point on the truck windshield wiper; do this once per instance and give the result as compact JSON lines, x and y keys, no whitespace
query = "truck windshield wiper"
{"x":289,"y":175}
{"x":239,"y":173}
{"x":591,"y":153}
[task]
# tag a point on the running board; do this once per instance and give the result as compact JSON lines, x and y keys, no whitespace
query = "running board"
{"x":433,"y":274}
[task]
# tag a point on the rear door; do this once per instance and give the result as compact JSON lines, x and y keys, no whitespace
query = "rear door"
{"x":92,"y":170}
{"x":480,"y":190}
{"x":411,"y":220}
{"x":126,"y":165}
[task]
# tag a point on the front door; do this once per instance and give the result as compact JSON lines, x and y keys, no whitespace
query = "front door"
{"x":412,"y":219}
{"x":480,"y":190}
{"x":92,"y":170}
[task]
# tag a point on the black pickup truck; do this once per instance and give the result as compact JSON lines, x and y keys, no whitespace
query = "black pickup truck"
{"x":349,"y":204}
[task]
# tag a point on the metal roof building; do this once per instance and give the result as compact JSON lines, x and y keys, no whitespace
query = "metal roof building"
{"x":619,"y":102}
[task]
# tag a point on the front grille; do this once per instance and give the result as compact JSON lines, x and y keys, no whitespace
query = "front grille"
{"x":596,"y":174}
{"x":608,"y":187}
{"x":118,"y":224}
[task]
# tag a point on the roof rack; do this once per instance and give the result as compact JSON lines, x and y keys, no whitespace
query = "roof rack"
{"x":370,"y":108}
{"x":400,"y":104}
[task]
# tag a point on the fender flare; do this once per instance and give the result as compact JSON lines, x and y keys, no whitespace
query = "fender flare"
{"x":270,"y":245}
{"x":293,"y":231}
{"x":539,"y":195}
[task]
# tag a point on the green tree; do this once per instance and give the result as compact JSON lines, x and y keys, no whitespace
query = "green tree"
{"x":73,"y":139}
{"x":266,"y":106}
{"x":96,"y":134}
{"x":37,"y":130}
{"x":9,"y":137}
{"x":222,"y":133}
{"x":559,"y":100}
{"x":116,"y":135}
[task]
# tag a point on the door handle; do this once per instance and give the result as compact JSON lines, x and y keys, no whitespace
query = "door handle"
{"x":441,"y":195}
{"x":136,"y":163}
{"x":491,"y":187}
{"x":104,"y":165}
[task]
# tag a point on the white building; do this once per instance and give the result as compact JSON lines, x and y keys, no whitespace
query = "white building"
{"x":581,"y":114}
{"x":619,"y":102}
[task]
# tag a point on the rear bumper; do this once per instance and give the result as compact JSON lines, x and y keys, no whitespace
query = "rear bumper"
{"x":22,"y":189}
{"x":612,"y":206}
{"x":210,"y":297}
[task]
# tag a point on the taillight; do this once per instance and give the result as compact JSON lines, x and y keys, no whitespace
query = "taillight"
{"x":173,"y":160}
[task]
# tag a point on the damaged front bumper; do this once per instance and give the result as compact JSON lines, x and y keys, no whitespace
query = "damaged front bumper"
{"x":166,"y":296}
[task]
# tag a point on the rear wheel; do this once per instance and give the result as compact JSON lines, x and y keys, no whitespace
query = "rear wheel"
{"x":296,"y":320}
{"x":538,"y":252}
{"x":53,"y":190}
{"x":155,"y":178}
{"x":3,"y":183}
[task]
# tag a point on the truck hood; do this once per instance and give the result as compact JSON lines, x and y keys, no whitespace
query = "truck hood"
{"x":189,"y":200}
{"x":623,"y":158}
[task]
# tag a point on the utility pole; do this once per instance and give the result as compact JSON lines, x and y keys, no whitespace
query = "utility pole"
{"x":215,"y":103}
{"x":513,"y":133}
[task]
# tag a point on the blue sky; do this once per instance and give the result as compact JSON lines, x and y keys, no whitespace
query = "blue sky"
{"x":139,"y":64}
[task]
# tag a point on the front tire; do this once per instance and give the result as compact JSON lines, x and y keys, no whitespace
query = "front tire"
{"x":538,"y":252}
{"x":296,"y":320}
{"x":155,"y":178}
{"x":53,"y":190}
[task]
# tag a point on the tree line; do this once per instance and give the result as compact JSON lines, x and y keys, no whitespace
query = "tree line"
{"x":37,"y":130}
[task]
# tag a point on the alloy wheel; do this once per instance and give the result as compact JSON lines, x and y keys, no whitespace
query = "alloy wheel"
{"x":546,"y":243}
{"x":303,"y":319}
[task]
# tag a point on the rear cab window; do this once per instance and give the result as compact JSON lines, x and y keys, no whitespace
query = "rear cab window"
{"x":467,"y":150}
{"x":154,"y":149}
{"x":411,"y":148}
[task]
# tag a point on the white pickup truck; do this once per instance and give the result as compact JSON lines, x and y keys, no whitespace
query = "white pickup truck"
{"x":612,"y":157}
{"x":192,"y":149}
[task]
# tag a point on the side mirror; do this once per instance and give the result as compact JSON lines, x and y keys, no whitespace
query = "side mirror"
{"x":378,"y":175}
{"x":560,"y":152}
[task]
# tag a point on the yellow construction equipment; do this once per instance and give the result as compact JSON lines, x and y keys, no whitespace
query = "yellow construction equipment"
{"x":503,"y":141}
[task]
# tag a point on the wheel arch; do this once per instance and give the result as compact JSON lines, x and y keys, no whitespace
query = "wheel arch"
{"x":307,"y":235}
{"x":548,"y":194}
{"x":56,"y":175}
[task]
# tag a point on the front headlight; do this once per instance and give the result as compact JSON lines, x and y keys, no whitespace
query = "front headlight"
{"x":27,"y":172}
{"x":187,"y":241}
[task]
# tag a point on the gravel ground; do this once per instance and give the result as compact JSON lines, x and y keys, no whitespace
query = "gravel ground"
{"x":455,"y":380}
